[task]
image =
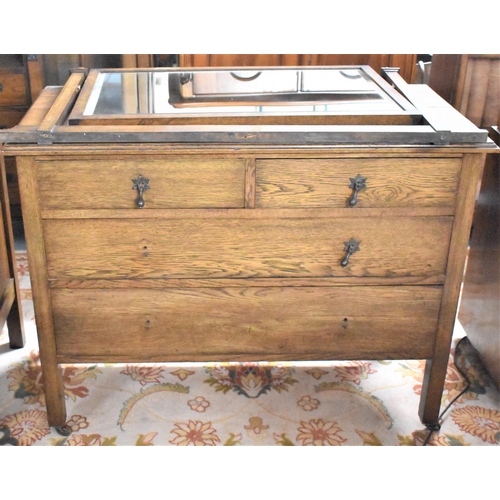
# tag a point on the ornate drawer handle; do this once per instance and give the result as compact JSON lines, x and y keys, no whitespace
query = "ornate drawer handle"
{"x":350,"y":247}
{"x":141,"y":184}
{"x":358,"y":183}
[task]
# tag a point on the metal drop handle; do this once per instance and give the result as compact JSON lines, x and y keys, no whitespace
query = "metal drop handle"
{"x":358,"y":183}
{"x":141,"y":184}
{"x":246,"y":75}
{"x":350,"y":247}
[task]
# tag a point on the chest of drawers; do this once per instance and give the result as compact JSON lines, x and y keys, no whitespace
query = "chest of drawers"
{"x":152,"y":251}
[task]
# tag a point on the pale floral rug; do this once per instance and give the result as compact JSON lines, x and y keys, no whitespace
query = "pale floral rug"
{"x":373,"y":403}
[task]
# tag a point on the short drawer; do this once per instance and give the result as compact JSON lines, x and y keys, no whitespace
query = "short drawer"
{"x":252,"y":323}
{"x":12,"y":90}
{"x":172,"y":183}
{"x":388,"y":182}
{"x":229,"y":247}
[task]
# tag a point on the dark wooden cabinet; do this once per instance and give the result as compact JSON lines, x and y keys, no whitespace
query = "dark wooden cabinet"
{"x":21,"y":81}
{"x":470,"y":83}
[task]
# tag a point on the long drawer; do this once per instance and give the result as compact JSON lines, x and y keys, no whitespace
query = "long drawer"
{"x":383,"y":182}
{"x":253,"y":323}
{"x":173,"y":182}
{"x":248,"y":247}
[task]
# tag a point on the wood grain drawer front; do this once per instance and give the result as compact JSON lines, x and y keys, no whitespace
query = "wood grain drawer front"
{"x":390,"y":182}
{"x":173,"y":183}
{"x":13,"y":90}
{"x":10,"y":117}
{"x":244,"y":248}
{"x":253,"y":323}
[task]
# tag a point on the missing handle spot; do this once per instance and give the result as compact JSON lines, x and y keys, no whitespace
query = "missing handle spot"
{"x":345,"y":323}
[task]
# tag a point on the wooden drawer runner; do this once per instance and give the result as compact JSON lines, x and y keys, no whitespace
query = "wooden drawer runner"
{"x":244,"y":247}
{"x":173,"y":183}
{"x":390,"y":182}
{"x":252,"y":323}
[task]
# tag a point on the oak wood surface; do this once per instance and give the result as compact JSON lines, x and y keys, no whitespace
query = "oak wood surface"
{"x":62,"y":103}
{"x":251,"y":323}
{"x":435,"y":370}
{"x":228,"y":213}
{"x":53,"y":385}
{"x":250,"y":183}
{"x":37,"y":112}
{"x":256,"y":276}
{"x":241,"y":282}
{"x":199,"y":256}
{"x":390,"y":182}
{"x":174,"y":183}
{"x":232,"y":247}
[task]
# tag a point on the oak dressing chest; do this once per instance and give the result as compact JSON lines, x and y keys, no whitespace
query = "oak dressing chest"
{"x":237,"y":214}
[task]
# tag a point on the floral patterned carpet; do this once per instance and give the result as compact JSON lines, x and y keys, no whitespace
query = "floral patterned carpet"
{"x":372,"y":403}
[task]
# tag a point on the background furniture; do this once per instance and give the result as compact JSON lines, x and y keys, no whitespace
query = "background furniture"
{"x":21,"y":80}
{"x":479,"y":311}
{"x":471,"y":83}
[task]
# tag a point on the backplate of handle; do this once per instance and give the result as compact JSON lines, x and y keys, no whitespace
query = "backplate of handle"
{"x":357,"y":184}
{"x":350,"y":247}
{"x":141,"y":184}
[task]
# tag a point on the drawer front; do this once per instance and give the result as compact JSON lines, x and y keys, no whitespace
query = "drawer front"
{"x":173,"y":183}
{"x":10,"y":117}
{"x":229,"y":247}
{"x":13,"y":90}
{"x":390,"y":182}
{"x":254,"y":323}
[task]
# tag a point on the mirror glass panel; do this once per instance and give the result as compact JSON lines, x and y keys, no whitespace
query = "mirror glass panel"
{"x":246,"y":91}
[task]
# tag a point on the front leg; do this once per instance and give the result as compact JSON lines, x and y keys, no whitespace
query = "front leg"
{"x":432,"y":391}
